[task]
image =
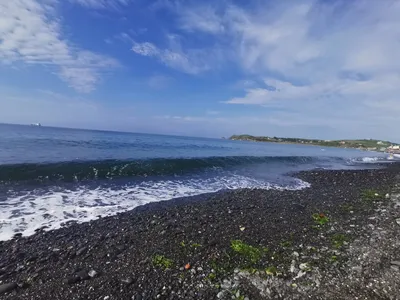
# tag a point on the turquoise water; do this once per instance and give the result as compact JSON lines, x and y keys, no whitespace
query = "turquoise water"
{"x":52,"y":175}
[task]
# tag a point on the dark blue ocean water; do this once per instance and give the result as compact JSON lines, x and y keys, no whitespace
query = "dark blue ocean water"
{"x":52,"y":175}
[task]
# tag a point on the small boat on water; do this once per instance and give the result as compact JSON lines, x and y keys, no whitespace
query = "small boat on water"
{"x":36,"y":124}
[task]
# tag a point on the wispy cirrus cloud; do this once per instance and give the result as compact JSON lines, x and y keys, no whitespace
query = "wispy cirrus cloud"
{"x":306,"y":43}
{"x":30,"y":32}
{"x":311,"y":56}
{"x":204,"y":18}
{"x":102,"y":4}
{"x":191,"y":61}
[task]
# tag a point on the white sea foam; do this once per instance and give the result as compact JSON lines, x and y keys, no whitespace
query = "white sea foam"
{"x":380,"y":159}
{"x":370,"y":159}
{"x":34,"y":209}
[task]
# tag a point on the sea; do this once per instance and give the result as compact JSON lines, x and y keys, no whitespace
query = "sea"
{"x":51,"y":176}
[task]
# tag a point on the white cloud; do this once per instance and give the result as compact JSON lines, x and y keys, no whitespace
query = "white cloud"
{"x":203,"y":18}
{"x":124,"y":37}
{"x":30,"y":32}
{"x":328,"y":62}
{"x":307,"y":39}
{"x":191,"y":61}
{"x":102,"y":4}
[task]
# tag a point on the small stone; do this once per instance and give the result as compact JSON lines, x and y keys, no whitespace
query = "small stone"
{"x":304,"y":267}
{"x":83,"y":275}
{"x":300,"y":274}
{"x":93,"y":273}
{"x":292,"y":267}
{"x":7,"y":287}
{"x":226,"y":285}
{"x":395,"y":262}
{"x":220,"y":295}
{"x":357,"y":269}
{"x":23,"y":285}
{"x":32,"y":258}
{"x":71,"y":280}
{"x":17,"y":235}
{"x":81,"y":251}
{"x":395,"y":268}
{"x":127,"y":281}
{"x":19,"y":268}
{"x":398,"y":221}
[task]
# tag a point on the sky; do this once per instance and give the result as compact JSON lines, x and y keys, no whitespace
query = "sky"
{"x":326,"y":69}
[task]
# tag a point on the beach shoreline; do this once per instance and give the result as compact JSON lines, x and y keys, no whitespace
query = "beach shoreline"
{"x":214,"y":246}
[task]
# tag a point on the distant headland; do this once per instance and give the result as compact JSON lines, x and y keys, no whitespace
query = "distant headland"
{"x":363,"y":144}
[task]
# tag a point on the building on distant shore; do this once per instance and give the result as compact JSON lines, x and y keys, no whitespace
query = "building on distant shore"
{"x":394,"y":149}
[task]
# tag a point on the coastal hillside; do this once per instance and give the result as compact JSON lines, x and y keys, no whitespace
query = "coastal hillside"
{"x":367,"y":144}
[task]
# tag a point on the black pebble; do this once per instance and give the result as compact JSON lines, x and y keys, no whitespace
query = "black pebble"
{"x":83,"y":275}
{"x":71,"y":280}
{"x":7,"y":287}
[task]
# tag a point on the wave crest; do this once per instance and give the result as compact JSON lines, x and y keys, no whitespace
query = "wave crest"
{"x":110,"y":169}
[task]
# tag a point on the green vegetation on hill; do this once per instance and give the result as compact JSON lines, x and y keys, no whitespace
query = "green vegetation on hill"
{"x":360,"y":144}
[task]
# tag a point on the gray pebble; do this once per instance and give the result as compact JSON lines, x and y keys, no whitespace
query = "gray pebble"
{"x":220,"y":295}
{"x":395,"y":268}
{"x":395,"y":262}
{"x":127,"y":281}
{"x":93,"y":273}
{"x":81,"y":251}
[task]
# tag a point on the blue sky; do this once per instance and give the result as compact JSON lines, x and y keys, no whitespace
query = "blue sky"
{"x":318,"y":69}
